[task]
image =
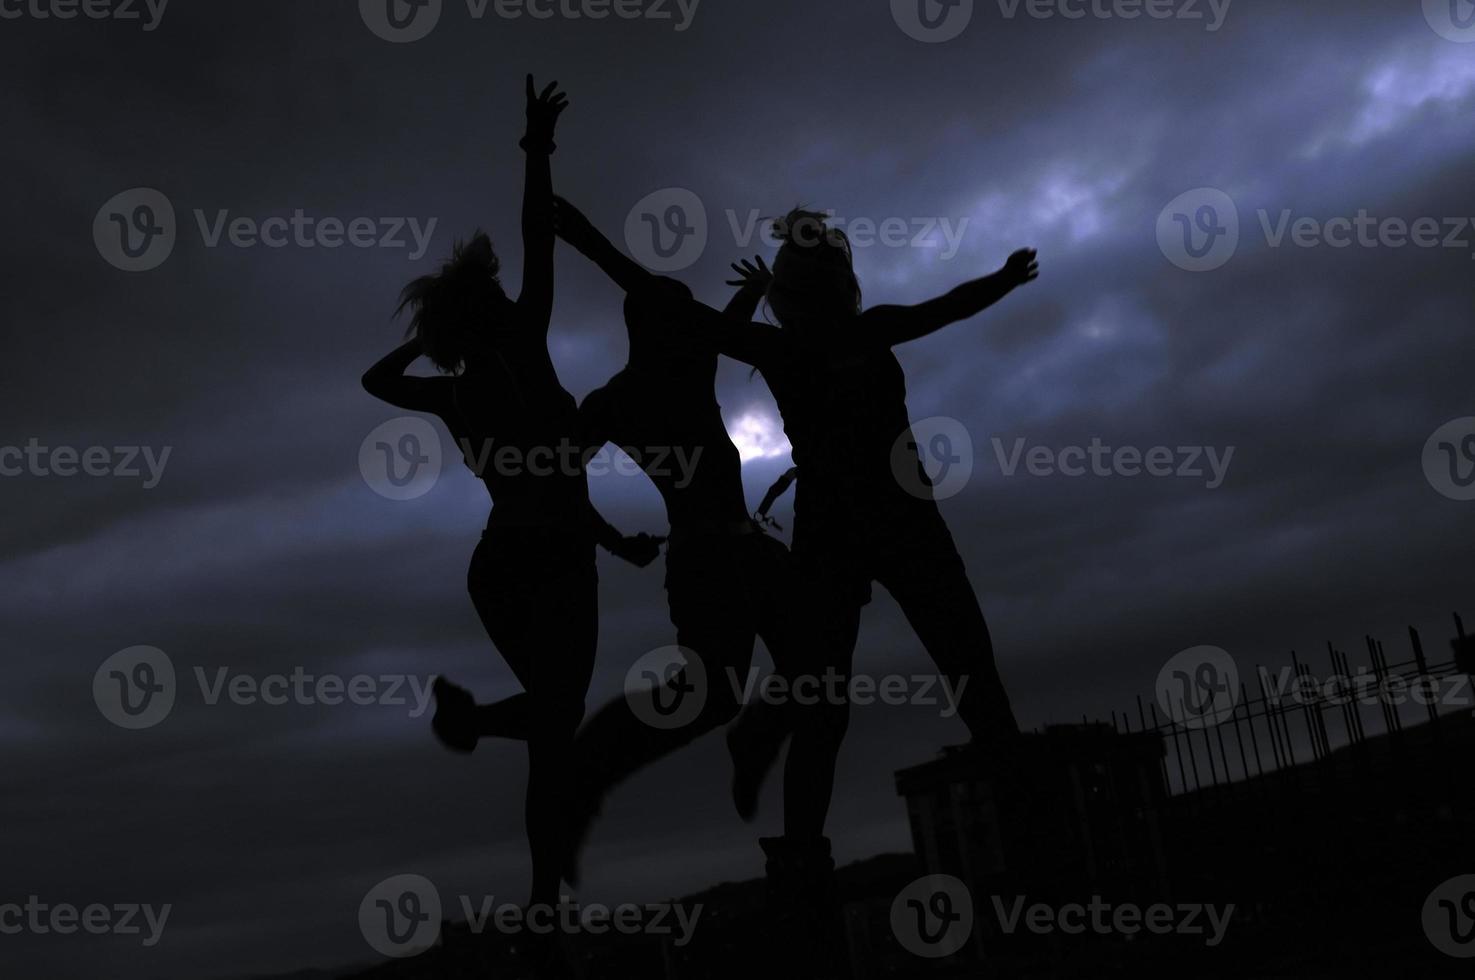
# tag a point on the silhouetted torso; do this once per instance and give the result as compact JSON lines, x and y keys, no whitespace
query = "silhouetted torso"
{"x":844,"y":412}
{"x":666,"y":415}
{"x":517,"y":429}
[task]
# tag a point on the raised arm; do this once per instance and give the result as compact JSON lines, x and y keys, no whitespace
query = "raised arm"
{"x":753,"y":280}
{"x":637,"y":549}
{"x":898,"y":324}
{"x":536,"y":299}
{"x":734,"y":331}
{"x":575,"y":228}
{"x":387,"y":381}
{"x":742,"y":340}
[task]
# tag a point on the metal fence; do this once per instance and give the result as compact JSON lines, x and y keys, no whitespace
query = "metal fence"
{"x":1328,"y":729}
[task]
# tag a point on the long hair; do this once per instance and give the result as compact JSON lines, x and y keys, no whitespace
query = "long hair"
{"x":449,"y":305}
{"x":814,"y":272}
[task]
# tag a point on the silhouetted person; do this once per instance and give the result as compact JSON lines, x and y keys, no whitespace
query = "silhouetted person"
{"x":727,"y":581}
{"x":864,"y":510}
{"x":532,"y":577}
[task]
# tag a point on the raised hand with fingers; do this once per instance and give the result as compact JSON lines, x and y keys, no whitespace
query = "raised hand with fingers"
{"x":543,"y":110}
{"x":639,"y":549}
{"x":754,"y":275}
{"x":1022,"y":267}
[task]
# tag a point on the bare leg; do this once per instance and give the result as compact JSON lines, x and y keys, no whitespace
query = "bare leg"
{"x":540,"y":607}
{"x":921,"y":569}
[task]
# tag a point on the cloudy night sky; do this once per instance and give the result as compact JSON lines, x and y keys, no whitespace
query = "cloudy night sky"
{"x":261,"y":548}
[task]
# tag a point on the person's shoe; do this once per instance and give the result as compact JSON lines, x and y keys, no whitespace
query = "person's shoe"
{"x":454,"y":722}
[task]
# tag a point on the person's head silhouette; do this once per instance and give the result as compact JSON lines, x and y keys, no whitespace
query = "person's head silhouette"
{"x":457,"y":311}
{"x":814,"y":282}
{"x":652,"y":322}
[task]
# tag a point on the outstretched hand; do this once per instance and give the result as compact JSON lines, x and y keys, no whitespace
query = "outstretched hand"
{"x":572,"y":225}
{"x":752,"y":275}
{"x":639,"y":549}
{"x":1022,"y":267}
{"x":543,"y":111}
